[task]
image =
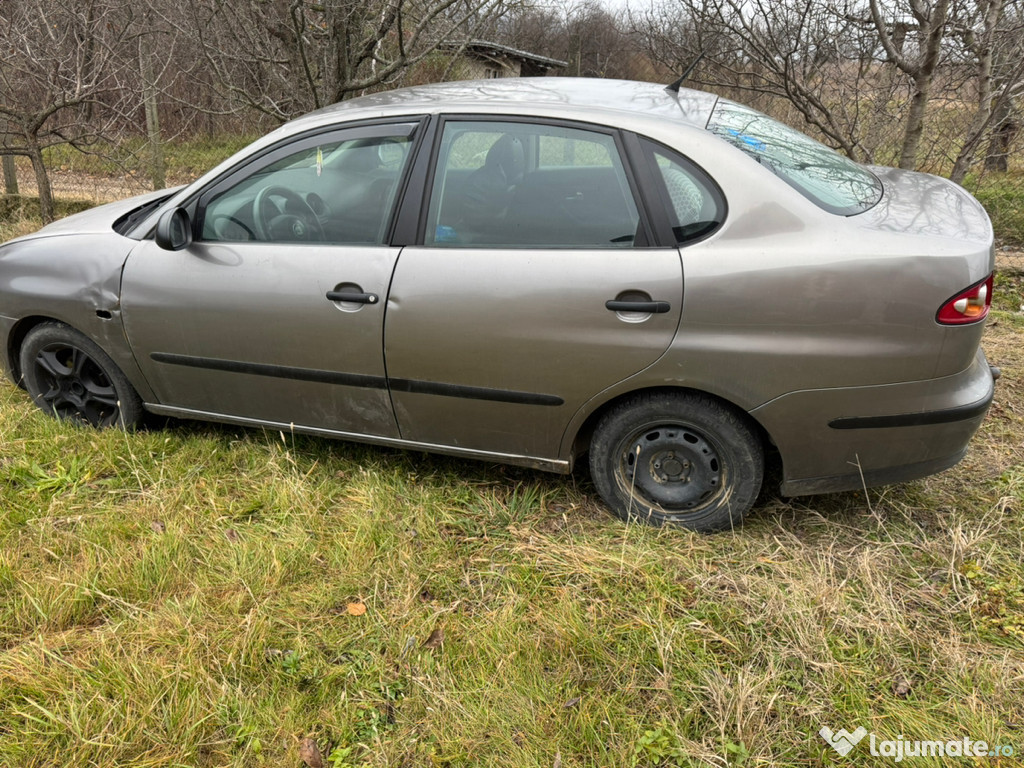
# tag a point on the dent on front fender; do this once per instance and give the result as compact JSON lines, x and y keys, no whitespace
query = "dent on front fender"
{"x":75,"y":280}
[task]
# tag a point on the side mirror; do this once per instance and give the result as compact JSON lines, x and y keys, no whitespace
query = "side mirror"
{"x":174,"y":230}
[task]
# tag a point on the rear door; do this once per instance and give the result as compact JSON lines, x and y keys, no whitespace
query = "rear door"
{"x":533,"y":290}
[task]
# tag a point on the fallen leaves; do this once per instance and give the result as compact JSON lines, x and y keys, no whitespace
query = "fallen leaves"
{"x":309,"y":752}
{"x":901,"y":688}
{"x":435,"y":640}
{"x":356,"y":609}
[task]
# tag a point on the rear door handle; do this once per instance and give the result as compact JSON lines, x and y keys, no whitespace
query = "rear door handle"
{"x":653,"y":307}
{"x":355,"y":298}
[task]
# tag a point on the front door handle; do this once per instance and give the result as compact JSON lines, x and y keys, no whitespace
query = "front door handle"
{"x":653,"y":307}
{"x":355,"y":298}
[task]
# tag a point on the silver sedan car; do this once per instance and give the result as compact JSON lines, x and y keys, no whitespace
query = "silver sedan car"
{"x":527,"y":271}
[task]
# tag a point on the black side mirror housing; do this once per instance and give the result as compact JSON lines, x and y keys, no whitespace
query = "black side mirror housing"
{"x":174,"y":230}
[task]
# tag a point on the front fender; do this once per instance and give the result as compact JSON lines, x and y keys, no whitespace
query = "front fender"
{"x":74,"y":279}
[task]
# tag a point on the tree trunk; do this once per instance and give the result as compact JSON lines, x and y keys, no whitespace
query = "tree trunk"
{"x":157,"y":164}
{"x":43,"y":183}
{"x":915,"y":122}
{"x":1002,"y":137}
{"x":983,"y":114}
{"x":923,"y":76}
{"x":10,"y":175}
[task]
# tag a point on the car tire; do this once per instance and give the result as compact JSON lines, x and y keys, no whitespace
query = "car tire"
{"x":69,"y":377}
{"x":679,"y":459}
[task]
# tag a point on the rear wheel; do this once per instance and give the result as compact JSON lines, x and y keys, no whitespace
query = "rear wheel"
{"x":71,"y":378}
{"x":675,"y":458}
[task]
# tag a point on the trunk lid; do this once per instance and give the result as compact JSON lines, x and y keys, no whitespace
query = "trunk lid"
{"x":921,"y":204}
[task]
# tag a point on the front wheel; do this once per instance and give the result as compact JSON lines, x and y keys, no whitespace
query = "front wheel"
{"x":71,"y":378}
{"x":675,"y":458}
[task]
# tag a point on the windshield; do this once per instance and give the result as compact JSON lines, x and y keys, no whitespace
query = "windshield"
{"x":820,"y":174}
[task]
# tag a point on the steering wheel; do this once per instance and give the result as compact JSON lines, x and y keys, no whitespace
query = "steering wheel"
{"x":273,"y":223}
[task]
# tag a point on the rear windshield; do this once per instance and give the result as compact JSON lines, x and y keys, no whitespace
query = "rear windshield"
{"x":820,"y":174}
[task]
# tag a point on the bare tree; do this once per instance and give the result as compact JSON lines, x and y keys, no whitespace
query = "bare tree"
{"x":996,"y":45}
{"x":10,"y":175}
{"x":61,"y":77}
{"x":593,"y":40}
{"x":1006,"y":111}
{"x":929,"y":23}
{"x":286,"y":57}
{"x":806,"y":52}
{"x":151,"y":106}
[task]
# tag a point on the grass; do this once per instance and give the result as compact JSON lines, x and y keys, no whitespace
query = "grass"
{"x":19,"y":215}
{"x":185,"y":159}
{"x":209,"y":596}
{"x":1002,"y":194}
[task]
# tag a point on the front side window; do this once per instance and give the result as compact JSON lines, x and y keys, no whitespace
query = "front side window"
{"x":512,"y":184}
{"x":829,"y":180}
{"x":333,"y":191}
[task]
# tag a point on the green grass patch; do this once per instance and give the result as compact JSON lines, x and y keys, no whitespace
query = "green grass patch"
{"x":19,"y":214}
{"x":1008,"y":293}
{"x":208,"y":596}
{"x":17,"y":208}
{"x":1003,"y":198}
{"x":185,"y":158}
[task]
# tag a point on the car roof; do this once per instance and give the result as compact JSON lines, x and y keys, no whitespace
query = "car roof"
{"x":570,"y":96}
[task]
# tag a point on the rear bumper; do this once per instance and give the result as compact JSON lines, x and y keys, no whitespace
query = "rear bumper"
{"x":853,"y":437}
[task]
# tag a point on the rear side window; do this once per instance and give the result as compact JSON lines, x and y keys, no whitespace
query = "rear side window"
{"x":525,"y":185}
{"x":826,"y":178}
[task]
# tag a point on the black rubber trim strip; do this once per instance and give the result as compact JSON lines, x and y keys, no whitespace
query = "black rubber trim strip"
{"x":945,"y":416}
{"x":358,"y":380}
{"x":353,"y":298}
{"x":657,"y":307}
{"x":276,"y":371}
{"x":472,"y":393}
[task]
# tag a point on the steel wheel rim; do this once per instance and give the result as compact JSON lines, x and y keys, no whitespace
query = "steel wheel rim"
{"x":74,"y":387}
{"x":670,"y":468}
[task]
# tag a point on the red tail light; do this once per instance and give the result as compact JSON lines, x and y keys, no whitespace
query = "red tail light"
{"x":969,"y":306}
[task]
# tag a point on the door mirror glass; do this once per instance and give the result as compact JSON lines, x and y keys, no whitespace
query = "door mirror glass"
{"x":174,"y":230}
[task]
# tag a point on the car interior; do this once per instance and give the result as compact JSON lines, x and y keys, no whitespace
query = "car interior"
{"x":339,"y":194}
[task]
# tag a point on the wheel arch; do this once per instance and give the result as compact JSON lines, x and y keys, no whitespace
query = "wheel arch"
{"x":579,"y":443}
{"x":16,"y":338}
{"x":120,"y":353}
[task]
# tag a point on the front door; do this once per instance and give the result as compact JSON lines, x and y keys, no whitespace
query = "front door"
{"x":275,"y":313}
